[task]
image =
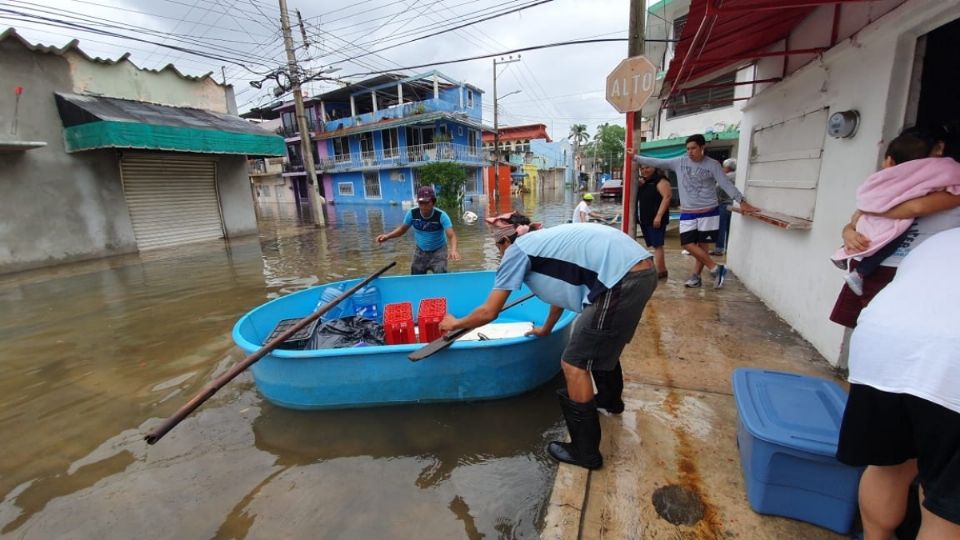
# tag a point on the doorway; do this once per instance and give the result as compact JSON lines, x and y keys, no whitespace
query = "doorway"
{"x":937,"y":107}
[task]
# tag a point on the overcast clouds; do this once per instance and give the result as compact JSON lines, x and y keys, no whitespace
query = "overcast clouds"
{"x":559,"y":86}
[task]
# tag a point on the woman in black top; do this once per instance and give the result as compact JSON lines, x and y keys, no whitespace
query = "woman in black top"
{"x":653,"y":205}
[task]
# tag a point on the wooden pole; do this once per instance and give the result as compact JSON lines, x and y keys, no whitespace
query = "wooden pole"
{"x":635,"y":47}
{"x":212,"y":388}
{"x":316,"y":202}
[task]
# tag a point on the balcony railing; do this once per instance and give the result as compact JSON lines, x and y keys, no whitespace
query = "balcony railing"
{"x":412,"y":155}
{"x":293,"y":167}
{"x":397,"y":111}
{"x":294,"y":131}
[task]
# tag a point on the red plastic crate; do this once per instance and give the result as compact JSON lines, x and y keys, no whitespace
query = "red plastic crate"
{"x":398,"y":324}
{"x":431,"y":312}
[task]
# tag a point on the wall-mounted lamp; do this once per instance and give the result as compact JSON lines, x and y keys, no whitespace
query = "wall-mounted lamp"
{"x":843,"y":124}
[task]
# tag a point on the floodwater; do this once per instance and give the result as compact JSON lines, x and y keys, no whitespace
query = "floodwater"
{"x":94,"y":355}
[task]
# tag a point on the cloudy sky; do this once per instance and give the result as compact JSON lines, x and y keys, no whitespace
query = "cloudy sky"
{"x":558,"y":86}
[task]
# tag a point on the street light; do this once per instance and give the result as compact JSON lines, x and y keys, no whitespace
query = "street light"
{"x":509,"y":94}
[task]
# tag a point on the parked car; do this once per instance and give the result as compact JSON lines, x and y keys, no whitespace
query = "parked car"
{"x":612,"y":188}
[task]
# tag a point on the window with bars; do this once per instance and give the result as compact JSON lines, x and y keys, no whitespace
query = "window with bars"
{"x":704,"y":99}
{"x":371,"y":184}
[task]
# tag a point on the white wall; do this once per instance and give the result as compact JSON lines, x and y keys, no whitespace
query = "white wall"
{"x":789,"y":270}
{"x":712,"y":119}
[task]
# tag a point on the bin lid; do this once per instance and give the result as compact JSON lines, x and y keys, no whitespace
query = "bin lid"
{"x":788,"y":409}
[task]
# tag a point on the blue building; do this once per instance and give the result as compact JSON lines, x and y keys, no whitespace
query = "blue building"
{"x":372,"y":137}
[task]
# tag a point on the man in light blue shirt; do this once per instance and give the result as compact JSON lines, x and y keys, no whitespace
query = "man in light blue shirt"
{"x":596,"y":271}
{"x":432,"y":230}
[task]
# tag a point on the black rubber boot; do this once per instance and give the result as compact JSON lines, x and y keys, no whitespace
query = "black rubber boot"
{"x":609,"y":389}
{"x":583,"y":423}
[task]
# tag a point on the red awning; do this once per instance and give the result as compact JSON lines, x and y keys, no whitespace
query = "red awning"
{"x":721,"y":33}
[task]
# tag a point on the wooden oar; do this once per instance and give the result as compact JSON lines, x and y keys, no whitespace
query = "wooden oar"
{"x":212,"y":388}
{"x":447,"y":340}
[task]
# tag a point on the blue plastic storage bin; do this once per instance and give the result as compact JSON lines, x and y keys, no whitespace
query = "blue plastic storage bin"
{"x":787,"y":432}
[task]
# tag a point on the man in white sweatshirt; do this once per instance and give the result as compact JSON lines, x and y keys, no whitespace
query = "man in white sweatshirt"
{"x":697,"y":179}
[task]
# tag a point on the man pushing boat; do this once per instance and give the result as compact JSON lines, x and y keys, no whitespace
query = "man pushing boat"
{"x":596,"y":271}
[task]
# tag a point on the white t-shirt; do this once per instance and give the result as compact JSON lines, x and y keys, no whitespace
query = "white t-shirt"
{"x":907,"y":341}
{"x":921,"y":229}
{"x":582,"y":207}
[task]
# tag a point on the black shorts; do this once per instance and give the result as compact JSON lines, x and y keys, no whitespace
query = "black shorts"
{"x":607,"y":325}
{"x":699,"y":228}
{"x":653,"y":236}
{"x":882,"y":428}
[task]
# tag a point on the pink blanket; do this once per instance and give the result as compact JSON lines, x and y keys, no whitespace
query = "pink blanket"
{"x":889,"y":187}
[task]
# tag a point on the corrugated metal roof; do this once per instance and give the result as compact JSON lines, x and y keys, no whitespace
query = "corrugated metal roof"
{"x":76,"y":109}
{"x":92,"y":122}
{"x":74,"y":46}
{"x":510,"y":133}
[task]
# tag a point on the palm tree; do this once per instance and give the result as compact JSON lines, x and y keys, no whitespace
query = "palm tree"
{"x":578,"y":135}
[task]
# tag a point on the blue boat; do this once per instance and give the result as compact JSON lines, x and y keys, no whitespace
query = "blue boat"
{"x":376,"y":376}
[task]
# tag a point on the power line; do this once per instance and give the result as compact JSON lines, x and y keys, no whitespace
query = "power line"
{"x":159,"y":16}
{"x":501,"y":14}
{"x":110,"y":23}
{"x":412,"y":17}
{"x":353,"y":14}
{"x":491,"y":55}
{"x":60,"y":23}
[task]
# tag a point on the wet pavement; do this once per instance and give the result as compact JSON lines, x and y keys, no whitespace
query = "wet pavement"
{"x":96,"y":354}
{"x":671,"y":463}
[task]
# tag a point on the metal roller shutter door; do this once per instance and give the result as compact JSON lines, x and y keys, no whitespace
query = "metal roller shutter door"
{"x":172,"y":201}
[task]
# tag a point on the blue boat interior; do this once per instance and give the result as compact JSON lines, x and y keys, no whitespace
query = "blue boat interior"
{"x":463,"y":292}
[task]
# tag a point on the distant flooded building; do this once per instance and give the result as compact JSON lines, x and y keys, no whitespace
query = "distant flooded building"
{"x":100,"y":157}
{"x":372,"y":137}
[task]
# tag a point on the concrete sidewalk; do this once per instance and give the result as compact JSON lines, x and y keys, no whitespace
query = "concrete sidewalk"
{"x":671,"y":465}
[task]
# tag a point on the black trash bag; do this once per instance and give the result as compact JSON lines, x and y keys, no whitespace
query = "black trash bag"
{"x":347,"y":332}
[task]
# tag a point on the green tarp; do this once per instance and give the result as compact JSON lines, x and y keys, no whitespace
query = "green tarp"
{"x":178,"y":139}
{"x":676,"y":146}
{"x":93,"y":122}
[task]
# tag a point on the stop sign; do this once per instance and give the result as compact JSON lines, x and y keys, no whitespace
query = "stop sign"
{"x":631,"y":84}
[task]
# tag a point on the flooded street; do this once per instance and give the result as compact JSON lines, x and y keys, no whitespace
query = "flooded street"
{"x":96,"y":354}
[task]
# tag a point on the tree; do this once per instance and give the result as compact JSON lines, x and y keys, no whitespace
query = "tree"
{"x":608,"y":143}
{"x":578,"y":135}
{"x":449,"y":178}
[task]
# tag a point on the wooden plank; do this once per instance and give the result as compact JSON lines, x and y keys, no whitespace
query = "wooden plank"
{"x":777,"y":219}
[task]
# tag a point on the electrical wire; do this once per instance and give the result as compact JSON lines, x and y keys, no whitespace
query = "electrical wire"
{"x":60,"y":23}
{"x":497,"y":15}
{"x":491,"y":55}
{"x":109,"y":23}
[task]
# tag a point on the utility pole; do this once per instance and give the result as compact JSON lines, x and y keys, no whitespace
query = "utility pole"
{"x":316,"y":201}
{"x":496,"y":125}
{"x":635,"y":47}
